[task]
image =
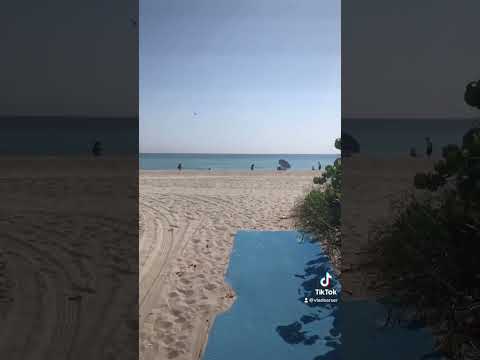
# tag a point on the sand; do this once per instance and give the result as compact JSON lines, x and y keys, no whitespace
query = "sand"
{"x":62,"y":221}
{"x":68,"y":262}
{"x":187,"y":224}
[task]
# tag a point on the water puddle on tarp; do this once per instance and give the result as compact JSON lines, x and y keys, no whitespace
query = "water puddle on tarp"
{"x":279,"y":314}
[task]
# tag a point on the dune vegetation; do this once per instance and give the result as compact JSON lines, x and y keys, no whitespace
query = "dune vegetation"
{"x":318,"y":213}
{"x":427,"y":256}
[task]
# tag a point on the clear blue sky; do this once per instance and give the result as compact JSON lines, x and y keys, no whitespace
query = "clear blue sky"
{"x":262,"y":76}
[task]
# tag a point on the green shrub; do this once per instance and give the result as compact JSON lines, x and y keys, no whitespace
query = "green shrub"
{"x":319,"y":212}
{"x":427,"y":255}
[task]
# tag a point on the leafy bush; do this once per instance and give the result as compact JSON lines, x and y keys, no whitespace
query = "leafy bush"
{"x":319,"y":212}
{"x":428,"y":254}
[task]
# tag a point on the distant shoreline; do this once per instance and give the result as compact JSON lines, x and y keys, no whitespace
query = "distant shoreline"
{"x":234,"y":162}
{"x":228,"y":172}
{"x":237,"y":154}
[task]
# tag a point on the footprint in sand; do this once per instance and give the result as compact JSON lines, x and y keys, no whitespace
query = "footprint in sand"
{"x":167,"y":340}
{"x":188,"y":292}
{"x":162,"y":324}
{"x":173,"y":354}
{"x":210,"y":286}
{"x":185,"y":281}
{"x":181,"y":320}
{"x":180,"y":345}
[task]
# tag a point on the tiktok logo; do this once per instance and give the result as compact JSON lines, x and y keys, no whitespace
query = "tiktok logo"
{"x":325,"y":281}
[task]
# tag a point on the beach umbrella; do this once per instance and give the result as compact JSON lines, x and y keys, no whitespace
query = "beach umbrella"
{"x":284,"y":164}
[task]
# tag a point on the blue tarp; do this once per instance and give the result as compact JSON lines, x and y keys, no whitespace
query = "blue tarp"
{"x":272,"y":274}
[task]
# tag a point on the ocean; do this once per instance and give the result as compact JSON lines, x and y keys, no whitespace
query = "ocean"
{"x":231,"y":162}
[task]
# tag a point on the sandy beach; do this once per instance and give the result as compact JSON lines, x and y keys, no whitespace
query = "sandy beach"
{"x":57,"y":236}
{"x":187,"y":224}
{"x":68,"y":259}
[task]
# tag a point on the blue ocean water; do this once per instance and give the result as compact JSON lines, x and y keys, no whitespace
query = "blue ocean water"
{"x":232,"y":161}
{"x":272,"y":274}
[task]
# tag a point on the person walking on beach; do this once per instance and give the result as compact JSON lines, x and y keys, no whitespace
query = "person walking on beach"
{"x":179,"y":166}
{"x":319,"y":166}
{"x":429,"y":149}
{"x":252,"y":167}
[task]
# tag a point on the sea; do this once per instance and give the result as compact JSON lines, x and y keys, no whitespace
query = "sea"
{"x":62,"y":136}
{"x":233,"y":162}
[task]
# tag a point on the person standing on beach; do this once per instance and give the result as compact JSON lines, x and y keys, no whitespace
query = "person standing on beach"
{"x":179,"y":166}
{"x":97,"y":149}
{"x":252,"y":167}
{"x":429,"y":149}
{"x":319,"y":166}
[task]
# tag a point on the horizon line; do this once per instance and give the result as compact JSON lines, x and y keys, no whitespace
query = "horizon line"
{"x":73,"y":117}
{"x":225,"y":153}
{"x":409,"y":118}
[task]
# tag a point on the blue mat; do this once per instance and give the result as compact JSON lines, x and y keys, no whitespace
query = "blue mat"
{"x":274,"y":275}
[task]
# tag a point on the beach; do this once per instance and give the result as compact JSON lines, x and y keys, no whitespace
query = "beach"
{"x":69,"y":252}
{"x":188,"y":221}
{"x":68,"y":258}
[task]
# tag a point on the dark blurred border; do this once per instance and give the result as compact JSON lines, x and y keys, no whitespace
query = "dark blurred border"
{"x":69,"y":180}
{"x":407,"y":168}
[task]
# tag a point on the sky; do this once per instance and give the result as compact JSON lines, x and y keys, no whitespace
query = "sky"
{"x":251,"y":76}
{"x":69,"y":59}
{"x":409,"y":58}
